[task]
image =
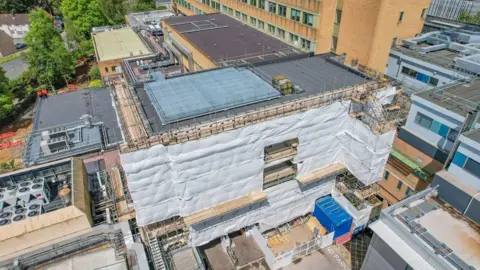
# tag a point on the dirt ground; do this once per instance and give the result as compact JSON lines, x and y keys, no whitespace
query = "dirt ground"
{"x":21,"y":128}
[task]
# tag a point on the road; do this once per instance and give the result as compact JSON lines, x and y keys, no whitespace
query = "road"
{"x":15,"y":68}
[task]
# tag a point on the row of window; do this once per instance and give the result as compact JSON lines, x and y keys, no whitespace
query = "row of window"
{"x":420,"y":76}
{"x":408,"y":192}
{"x":422,"y":15}
{"x":112,"y":69}
{"x":437,"y":127}
{"x":271,"y":29}
{"x":466,"y":163}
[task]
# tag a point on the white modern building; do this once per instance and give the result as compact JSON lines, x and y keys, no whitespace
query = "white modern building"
{"x":437,"y":58}
{"x":15,"y":25}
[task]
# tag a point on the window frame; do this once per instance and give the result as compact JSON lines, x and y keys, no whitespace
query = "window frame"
{"x":261,"y":24}
{"x":338,"y":16}
{"x":400,"y":17}
{"x":280,"y":8}
{"x":261,"y":4}
{"x":272,"y":29}
{"x":419,"y":117}
{"x":280,"y":30}
{"x":399,"y":185}
{"x":470,"y":169}
{"x":293,"y":38}
{"x":304,"y":42}
{"x":253,"y":3}
{"x":433,"y":84}
{"x":298,"y":15}
{"x":305,"y":17}
{"x":386,"y":175}
{"x":244,"y":18}
{"x":272,"y":7}
{"x":253,"y":21}
{"x":423,"y":15}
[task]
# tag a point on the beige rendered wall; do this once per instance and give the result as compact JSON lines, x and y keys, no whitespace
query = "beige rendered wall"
{"x":110,"y":63}
{"x":368,"y":28}
{"x":198,"y":56}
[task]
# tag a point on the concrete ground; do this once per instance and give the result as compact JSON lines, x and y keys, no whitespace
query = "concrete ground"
{"x":292,"y":238}
{"x":318,"y":260}
{"x":101,"y":259}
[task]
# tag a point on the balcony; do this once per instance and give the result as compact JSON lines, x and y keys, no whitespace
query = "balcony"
{"x":408,"y":167}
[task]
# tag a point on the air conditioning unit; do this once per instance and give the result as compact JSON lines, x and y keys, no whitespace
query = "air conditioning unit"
{"x":8,"y":196}
{"x":5,"y":222}
{"x":40,"y":190}
{"x":19,"y":214}
{"x":35,"y":208}
{"x":23,"y":194}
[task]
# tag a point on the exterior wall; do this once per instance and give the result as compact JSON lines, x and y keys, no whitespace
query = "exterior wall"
{"x":429,"y":164}
{"x":381,"y":256}
{"x":6,"y":45}
{"x":451,"y":193}
{"x":426,"y":108}
{"x":462,"y":174}
{"x":388,"y":188}
{"x":369,"y":27}
{"x":422,"y":145}
{"x":17,"y":32}
{"x":396,"y":61}
{"x":201,"y":60}
{"x":109,"y":64}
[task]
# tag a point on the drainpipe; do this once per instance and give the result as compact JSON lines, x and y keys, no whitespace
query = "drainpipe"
{"x":467,"y":123}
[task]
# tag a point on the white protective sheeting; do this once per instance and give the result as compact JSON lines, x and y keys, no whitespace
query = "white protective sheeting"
{"x":182,"y":179}
{"x":360,"y":217}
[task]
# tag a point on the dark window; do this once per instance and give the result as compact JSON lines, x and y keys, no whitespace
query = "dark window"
{"x":253,"y":21}
{"x":272,"y":7}
{"x":253,"y":3}
{"x":282,"y":11}
{"x":423,"y":120}
{"x":295,"y":15}
{"x":261,"y":4}
{"x":306,"y":44}
{"x":409,"y":192}
{"x":261,"y":25}
{"x":334,"y":43}
{"x":424,"y":13}
{"x":271,"y":29}
{"x":433,"y":81}
{"x":472,"y":167}
{"x":307,"y":18}
{"x":399,"y":185}
{"x":106,"y":69}
{"x":281,"y":33}
{"x":422,"y":77}
{"x":452,"y":135}
{"x":394,"y":41}
{"x":409,"y":72}
{"x":400,"y":18}
{"x":386,"y":175}
{"x":338,"y":16}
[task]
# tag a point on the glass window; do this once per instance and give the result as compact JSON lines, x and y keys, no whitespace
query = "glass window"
{"x":217,"y":6}
{"x":237,"y":14}
{"x":422,"y":77}
{"x":281,"y":33}
{"x":261,"y":25}
{"x":295,"y":15}
{"x":253,"y":21}
{"x":294,"y":39}
{"x":282,"y":11}
{"x":423,"y":120}
{"x":409,"y":192}
{"x":271,"y":29}
{"x":424,"y":13}
{"x":334,"y":43}
{"x":439,"y":128}
{"x":394,"y":41}
{"x":307,"y":18}
{"x":244,"y":17}
{"x":225,"y":9}
{"x":472,"y":167}
{"x":399,"y":185}
{"x":230,"y":11}
{"x":409,"y":72}
{"x":306,"y":44}
{"x":272,"y":7}
{"x":386,"y":175}
{"x":253,"y":3}
{"x":338,"y":16}
{"x":452,"y":135}
{"x":212,"y":4}
{"x":459,"y":159}
{"x":106,"y":69}
{"x":261,"y":4}
{"x":433,"y":81}
{"x":400,"y":18}
{"x":113,"y":68}
{"x":244,"y":1}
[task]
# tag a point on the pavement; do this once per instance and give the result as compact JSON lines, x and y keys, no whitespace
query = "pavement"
{"x":319,"y":260}
{"x":15,"y":68}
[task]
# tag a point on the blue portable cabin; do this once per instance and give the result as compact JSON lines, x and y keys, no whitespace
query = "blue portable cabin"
{"x":332,"y":216}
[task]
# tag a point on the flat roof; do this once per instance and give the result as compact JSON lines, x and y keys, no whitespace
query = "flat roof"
{"x":67,"y":108}
{"x":314,"y":74}
{"x":430,"y":221}
{"x":220,"y":37}
{"x":459,"y":98}
{"x":442,"y":58}
{"x":202,"y":93}
{"x":473,"y":135}
{"x":118,"y":44}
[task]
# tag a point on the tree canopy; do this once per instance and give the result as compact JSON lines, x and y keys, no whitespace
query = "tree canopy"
{"x":466,"y":17}
{"x":82,"y":15}
{"x":6,"y":97}
{"x":49,"y":60}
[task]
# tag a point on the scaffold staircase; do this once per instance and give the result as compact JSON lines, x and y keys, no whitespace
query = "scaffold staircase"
{"x":156,"y":253}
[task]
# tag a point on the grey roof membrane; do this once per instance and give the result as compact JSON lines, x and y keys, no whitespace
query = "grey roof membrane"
{"x":64,"y":109}
{"x":230,"y":39}
{"x":314,"y":74}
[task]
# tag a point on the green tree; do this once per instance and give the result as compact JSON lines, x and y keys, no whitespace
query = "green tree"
{"x":16,"y":6}
{"x":143,"y":5}
{"x":94,"y":73}
{"x":49,"y":60}
{"x":6,"y":97}
{"x":82,"y":15}
{"x":115,"y":10}
{"x":95,"y":84}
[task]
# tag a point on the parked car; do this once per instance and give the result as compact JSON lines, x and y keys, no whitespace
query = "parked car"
{"x":20,"y":46}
